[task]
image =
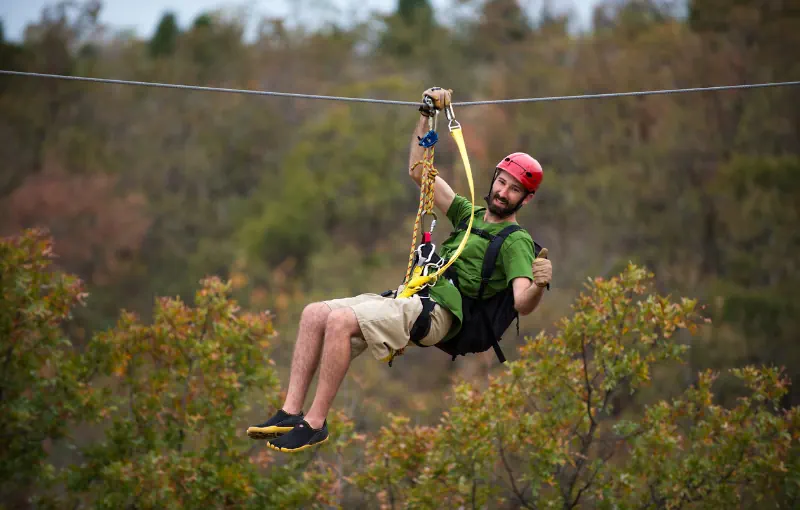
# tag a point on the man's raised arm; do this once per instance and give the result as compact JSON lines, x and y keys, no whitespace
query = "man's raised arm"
{"x":443,"y":193}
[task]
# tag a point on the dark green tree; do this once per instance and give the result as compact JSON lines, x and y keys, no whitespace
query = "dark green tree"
{"x":203,"y":22}
{"x":408,"y":29}
{"x":758,"y":206}
{"x":631,"y":18}
{"x":501,"y":27}
{"x":413,"y":11}
{"x":213,"y":43}
{"x":43,"y":383}
{"x":166,"y":37}
{"x":10,"y":55}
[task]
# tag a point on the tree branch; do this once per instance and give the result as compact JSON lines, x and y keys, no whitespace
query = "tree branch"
{"x":6,"y":362}
{"x":389,"y":484}
{"x":586,"y":441}
{"x":520,"y":496}
{"x":579,"y":464}
{"x":184,"y":402}
{"x":658,"y":502}
{"x":591,"y":479}
{"x":586,"y":379}
{"x":705,"y":480}
{"x":474,"y":486}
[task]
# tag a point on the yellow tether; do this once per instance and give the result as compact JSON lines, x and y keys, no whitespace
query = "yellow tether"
{"x":420,"y":281}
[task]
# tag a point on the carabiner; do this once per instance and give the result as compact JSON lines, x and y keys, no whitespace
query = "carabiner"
{"x":434,"y":113}
{"x":428,"y":100}
{"x":451,"y":116}
{"x":433,"y":221}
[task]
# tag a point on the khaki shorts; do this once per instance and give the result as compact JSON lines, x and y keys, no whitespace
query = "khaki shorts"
{"x":386,"y":323}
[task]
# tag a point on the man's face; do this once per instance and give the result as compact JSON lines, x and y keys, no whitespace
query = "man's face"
{"x":507,"y":192}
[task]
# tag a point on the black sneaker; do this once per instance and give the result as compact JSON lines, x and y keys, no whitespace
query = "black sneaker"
{"x":300,"y":438}
{"x":276,"y":426}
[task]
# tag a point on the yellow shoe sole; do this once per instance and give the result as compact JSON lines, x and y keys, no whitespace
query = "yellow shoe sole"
{"x":267,"y":432}
{"x":295,"y":450}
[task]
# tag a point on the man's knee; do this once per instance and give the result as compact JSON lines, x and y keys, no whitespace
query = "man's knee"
{"x":343,"y":321}
{"x":315,"y":314}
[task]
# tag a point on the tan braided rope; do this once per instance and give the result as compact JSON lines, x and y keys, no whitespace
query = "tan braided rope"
{"x":426,"y":194}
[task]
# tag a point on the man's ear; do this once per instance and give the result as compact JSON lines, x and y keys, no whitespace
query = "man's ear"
{"x":528,"y":198}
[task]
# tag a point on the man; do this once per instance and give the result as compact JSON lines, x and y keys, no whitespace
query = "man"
{"x":332,"y":333}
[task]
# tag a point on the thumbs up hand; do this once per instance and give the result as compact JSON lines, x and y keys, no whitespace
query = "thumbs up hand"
{"x":542,"y":269}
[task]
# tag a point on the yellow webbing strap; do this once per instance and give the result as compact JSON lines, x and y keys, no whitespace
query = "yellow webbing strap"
{"x":419,"y":282}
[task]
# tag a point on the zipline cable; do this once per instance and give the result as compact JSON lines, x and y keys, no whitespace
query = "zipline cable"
{"x":624,"y":94}
{"x":405,"y":103}
{"x":206,"y":89}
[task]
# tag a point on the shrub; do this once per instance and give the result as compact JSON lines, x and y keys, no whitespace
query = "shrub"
{"x":544,"y":434}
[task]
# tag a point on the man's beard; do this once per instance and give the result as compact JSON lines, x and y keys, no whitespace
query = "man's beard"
{"x":501,"y":210}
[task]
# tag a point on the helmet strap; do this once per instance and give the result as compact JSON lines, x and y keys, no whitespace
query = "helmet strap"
{"x":522,"y":200}
{"x":488,"y":196}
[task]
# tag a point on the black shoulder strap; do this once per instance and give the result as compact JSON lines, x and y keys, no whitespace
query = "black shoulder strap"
{"x":463,"y":226}
{"x":489,"y":260}
{"x":490,"y":257}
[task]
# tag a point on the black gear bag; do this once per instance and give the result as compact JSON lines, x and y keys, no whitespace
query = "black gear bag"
{"x":485,"y":319}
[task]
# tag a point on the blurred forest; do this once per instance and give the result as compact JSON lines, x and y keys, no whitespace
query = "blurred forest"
{"x":148,"y":191}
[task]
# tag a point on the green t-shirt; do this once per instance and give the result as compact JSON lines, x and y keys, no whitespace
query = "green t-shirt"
{"x":514,"y":260}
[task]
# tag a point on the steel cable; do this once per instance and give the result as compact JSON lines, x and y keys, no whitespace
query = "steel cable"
{"x":404,"y":103}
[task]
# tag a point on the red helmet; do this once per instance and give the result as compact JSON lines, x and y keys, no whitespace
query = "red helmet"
{"x":523,"y":168}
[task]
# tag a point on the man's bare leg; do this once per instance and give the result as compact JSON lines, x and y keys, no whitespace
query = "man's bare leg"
{"x":342,"y":324}
{"x":305,"y":359}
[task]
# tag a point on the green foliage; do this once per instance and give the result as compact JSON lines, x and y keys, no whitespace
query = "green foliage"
{"x":718,"y":15}
{"x":147,"y":191}
{"x":412,"y":11}
{"x":545,"y":434}
{"x":11,"y":57}
{"x":210,"y":42}
{"x":759,"y":212}
{"x":631,"y":19}
{"x":502,"y":27}
{"x":692,"y":451}
{"x":43,"y":383}
{"x":410,"y":26}
{"x":347,"y":170}
{"x":165,"y":39}
{"x":189,"y":370}
{"x":172,"y":430}
{"x":203,"y":22}
{"x":167,"y":398}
